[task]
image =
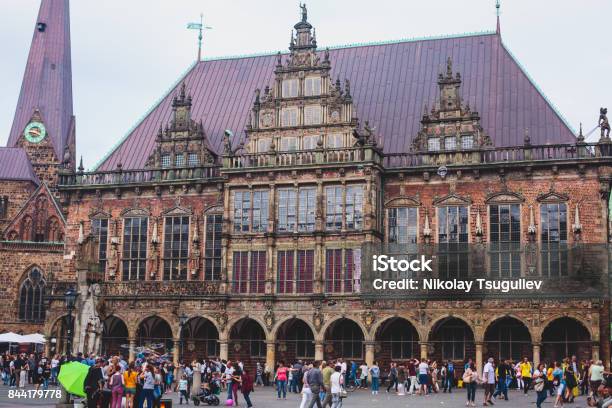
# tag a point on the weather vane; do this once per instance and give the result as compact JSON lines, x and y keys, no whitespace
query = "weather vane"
{"x":200,"y":27}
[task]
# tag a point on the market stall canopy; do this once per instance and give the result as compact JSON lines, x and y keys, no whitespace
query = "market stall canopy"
{"x":11,"y":337}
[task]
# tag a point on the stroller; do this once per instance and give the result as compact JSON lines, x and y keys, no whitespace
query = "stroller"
{"x":205,"y":397}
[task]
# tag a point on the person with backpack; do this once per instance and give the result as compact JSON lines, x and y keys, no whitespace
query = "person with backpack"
{"x":450,"y":377}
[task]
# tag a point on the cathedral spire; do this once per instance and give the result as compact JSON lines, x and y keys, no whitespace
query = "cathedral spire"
{"x":46,"y":91}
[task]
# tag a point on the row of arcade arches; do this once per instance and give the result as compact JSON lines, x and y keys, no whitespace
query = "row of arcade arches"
{"x":395,"y":339}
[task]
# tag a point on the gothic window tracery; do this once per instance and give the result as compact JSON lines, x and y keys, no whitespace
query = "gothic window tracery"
{"x":31,"y":297}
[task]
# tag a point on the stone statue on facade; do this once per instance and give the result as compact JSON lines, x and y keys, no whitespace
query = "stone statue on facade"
{"x":603,"y":123}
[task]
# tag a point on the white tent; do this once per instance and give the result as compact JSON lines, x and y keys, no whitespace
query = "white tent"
{"x":17,"y":338}
{"x":11,"y":337}
{"x":35,"y":338}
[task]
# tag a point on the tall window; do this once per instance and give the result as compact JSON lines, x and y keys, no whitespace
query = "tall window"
{"x":193,"y":159}
{"x":249,"y":271}
{"x":312,"y":115}
{"x":453,"y":241}
{"x":134,"y":248}
{"x":250,"y":211}
{"x":31,"y":297}
{"x":263,"y":145}
{"x":333,"y":211}
{"x":165,"y":160}
{"x":179,"y":160}
{"x":505,"y":225}
{"x":312,"y":86}
{"x":338,"y":274}
{"x":294,"y":213}
{"x":176,"y":247}
{"x":433,"y":144}
{"x":287,"y":209}
{"x":212,"y":247}
{"x":553,"y":226}
{"x":260,"y":211}
{"x":290,"y":88}
{"x":242,"y":211}
{"x":354,"y":207}
{"x":402,"y":225}
{"x":307,"y":208}
{"x":295,"y":271}
{"x":289,"y":117}
{"x":99,"y":228}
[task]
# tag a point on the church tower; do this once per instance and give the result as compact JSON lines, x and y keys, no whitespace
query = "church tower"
{"x":44,"y":124}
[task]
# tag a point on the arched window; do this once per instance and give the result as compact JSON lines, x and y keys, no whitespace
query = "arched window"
{"x":31,"y":297}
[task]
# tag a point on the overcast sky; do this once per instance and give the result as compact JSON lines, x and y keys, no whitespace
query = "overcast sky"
{"x":126,"y":54}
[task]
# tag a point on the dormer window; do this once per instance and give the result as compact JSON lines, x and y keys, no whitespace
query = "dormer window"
{"x":290,"y":88}
{"x":467,"y":142}
{"x":179,"y":160}
{"x":312,"y":115}
{"x":263,"y":145}
{"x":309,"y":142}
{"x":289,"y":117}
{"x":334,"y":141}
{"x":312,"y":86}
{"x":288,"y":144}
{"x":433,"y":144}
{"x":192,"y":160}
{"x":450,"y":143}
{"x":165,"y":160}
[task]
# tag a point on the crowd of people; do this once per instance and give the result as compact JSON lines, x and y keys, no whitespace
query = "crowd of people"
{"x":148,"y":378}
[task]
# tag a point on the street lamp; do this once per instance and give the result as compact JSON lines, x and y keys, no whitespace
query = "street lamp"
{"x":70,"y":299}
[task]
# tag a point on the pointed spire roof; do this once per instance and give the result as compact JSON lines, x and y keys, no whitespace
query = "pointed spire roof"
{"x":497,"y":7}
{"x":47,"y":80}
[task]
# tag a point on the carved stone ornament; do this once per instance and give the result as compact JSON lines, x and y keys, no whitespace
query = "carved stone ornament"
{"x":221,"y":319}
{"x":368,"y":317}
{"x":318,"y":319}
{"x":269,"y":319}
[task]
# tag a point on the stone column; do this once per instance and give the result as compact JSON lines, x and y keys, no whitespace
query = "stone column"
{"x":270,"y":353}
{"x":595,"y":351}
{"x":223,"y":350}
{"x":424,"y":350}
{"x":370,"y":353}
{"x":479,"y":357}
{"x":132,"y":355}
{"x":176,"y":351}
{"x":319,"y":351}
{"x":536,"y":354}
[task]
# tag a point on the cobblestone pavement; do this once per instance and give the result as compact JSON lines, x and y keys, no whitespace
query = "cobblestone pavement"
{"x":266,"y":398}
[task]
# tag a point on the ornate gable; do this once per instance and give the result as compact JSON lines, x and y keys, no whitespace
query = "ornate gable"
{"x":177,"y":210}
{"x":39,"y":220}
{"x":404,"y":201}
{"x":182,"y":143}
{"x":451,"y":125}
{"x":304,"y":109}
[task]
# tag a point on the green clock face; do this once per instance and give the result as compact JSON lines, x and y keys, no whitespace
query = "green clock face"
{"x":35,"y":132}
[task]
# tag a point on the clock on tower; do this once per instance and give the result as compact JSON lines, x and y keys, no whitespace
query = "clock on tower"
{"x":35,"y":132}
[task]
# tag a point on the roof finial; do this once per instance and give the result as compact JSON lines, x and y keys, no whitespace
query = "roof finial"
{"x":497,"y":7}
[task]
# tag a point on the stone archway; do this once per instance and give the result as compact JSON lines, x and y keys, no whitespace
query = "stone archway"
{"x":294,"y":341}
{"x":396,"y":339}
{"x":508,"y":338}
{"x":59,"y":334}
{"x":199,"y":339}
{"x":154,"y":334}
{"x":565,"y":337}
{"x":451,"y":338}
{"x":344,"y":339}
{"x":114,"y":337}
{"x":247,"y":343}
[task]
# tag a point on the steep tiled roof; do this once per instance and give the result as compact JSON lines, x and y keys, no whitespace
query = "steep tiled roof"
{"x":390,"y":84}
{"x":15,"y":165}
{"x":47,"y":81}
